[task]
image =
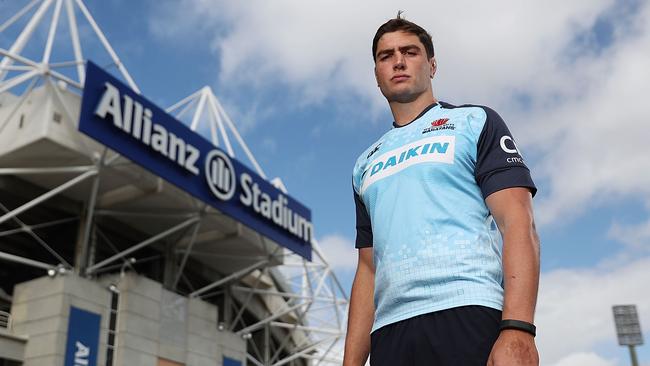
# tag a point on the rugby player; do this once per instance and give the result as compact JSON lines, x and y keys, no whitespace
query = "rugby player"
{"x":448,"y":265}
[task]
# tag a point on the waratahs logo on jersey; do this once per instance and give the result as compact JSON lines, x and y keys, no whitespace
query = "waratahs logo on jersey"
{"x":435,"y":149}
{"x":439,"y":124}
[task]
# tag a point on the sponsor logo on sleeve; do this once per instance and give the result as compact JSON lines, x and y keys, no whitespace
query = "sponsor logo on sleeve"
{"x":435,"y":149}
{"x":509,"y":147}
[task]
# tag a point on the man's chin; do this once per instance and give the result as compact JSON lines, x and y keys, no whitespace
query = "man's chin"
{"x":401,"y":97}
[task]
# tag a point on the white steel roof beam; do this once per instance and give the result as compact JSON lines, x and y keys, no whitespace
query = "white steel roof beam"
{"x":331,"y":331}
{"x":240,"y":313}
{"x":76,"y":45}
{"x":46,"y":170}
{"x":52,"y":32}
{"x":285,"y":294}
{"x":214,"y":119}
{"x":63,"y":64}
{"x":20,"y":58}
{"x":182,"y":102}
{"x":262,"y":322}
{"x":233,"y":129}
{"x":16,"y":80}
{"x":110,"y":244}
{"x":107,"y":46}
{"x":306,"y":350}
{"x":26,"y":261}
{"x":142,"y":244}
{"x":229,"y":278}
{"x":38,"y":226}
{"x":198,"y":112}
{"x":58,"y":75}
{"x":47,"y":195}
{"x":24,"y":36}
{"x":18,"y":68}
{"x":187,"y":107}
{"x":253,"y":360}
{"x":27,"y":229}
{"x":195,"y":231}
{"x":17,"y":16}
{"x":217,"y":119}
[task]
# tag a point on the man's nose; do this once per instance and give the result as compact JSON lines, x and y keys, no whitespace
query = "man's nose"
{"x":399,"y":62}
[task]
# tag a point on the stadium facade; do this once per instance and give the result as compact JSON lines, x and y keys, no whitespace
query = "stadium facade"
{"x":136,"y":235}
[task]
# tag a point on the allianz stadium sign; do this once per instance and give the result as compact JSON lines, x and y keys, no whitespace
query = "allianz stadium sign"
{"x":116,"y":116}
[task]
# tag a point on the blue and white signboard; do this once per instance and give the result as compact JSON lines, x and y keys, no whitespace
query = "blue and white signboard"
{"x":116,"y":116}
{"x":227,"y":361}
{"x":83,"y":338}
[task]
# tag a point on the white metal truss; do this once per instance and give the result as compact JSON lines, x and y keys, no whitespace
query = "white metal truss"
{"x":314,"y":293}
{"x":304,"y":300}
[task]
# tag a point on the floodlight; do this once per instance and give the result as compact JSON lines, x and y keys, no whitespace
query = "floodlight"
{"x":628,"y":328}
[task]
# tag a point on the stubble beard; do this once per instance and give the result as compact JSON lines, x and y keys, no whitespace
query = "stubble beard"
{"x":404,"y":96}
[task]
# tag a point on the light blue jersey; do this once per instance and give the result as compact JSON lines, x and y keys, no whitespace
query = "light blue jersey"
{"x":419,"y":192}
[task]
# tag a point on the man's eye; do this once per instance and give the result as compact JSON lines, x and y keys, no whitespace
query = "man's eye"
{"x":411,"y":53}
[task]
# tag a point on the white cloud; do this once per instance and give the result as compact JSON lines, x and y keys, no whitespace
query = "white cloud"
{"x":584,"y":359}
{"x":593,"y":139}
{"x":574,"y":308}
{"x":637,"y":236}
{"x":339,"y":252}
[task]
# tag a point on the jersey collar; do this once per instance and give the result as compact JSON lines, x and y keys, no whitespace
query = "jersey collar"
{"x":395,"y":125}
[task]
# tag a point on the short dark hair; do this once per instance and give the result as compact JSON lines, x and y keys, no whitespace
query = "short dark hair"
{"x":400,"y":24}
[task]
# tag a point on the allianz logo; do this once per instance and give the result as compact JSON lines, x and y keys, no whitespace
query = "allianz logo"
{"x":435,"y":149}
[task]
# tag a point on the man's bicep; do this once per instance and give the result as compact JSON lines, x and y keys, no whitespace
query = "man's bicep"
{"x":511,"y":204}
{"x":366,"y":259}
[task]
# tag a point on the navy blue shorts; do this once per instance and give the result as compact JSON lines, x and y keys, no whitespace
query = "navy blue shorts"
{"x":461,"y":336}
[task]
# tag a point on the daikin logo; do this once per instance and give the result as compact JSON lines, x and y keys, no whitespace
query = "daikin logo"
{"x":435,"y":149}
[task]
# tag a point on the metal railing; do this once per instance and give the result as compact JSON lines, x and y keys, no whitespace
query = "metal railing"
{"x":5,"y":320}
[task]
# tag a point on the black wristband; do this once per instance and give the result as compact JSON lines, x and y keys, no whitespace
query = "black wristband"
{"x":518,"y":325}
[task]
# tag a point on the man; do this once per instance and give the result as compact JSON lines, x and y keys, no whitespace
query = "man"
{"x":436,"y":282}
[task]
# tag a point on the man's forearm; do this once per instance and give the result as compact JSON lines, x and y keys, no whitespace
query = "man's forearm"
{"x":360,"y":318}
{"x":520,"y":270}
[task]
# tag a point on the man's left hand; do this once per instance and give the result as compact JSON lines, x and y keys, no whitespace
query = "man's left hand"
{"x":514,"y":348}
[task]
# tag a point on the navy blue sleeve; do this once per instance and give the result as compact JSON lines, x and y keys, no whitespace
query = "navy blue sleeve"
{"x":499,"y":164}
{"x":364,"y":229}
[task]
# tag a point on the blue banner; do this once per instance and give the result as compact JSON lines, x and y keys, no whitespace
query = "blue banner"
{"x":116,"y":116}
{"x":83,"y":338}
{"x":230,"y":362}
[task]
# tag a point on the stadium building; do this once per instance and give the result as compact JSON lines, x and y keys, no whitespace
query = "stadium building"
{"x":132,"y":234}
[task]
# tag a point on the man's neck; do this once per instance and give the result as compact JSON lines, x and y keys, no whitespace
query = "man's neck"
{"x":404,"y":113}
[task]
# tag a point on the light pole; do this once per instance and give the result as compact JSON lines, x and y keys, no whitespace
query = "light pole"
{"x":628,"y":329}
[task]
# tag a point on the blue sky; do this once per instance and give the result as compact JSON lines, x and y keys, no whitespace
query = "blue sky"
{"x":569,"y":78}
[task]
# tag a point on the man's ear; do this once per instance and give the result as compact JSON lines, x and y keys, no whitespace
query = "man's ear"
{"x":376,"y":78}
{"x":434,"y":67}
